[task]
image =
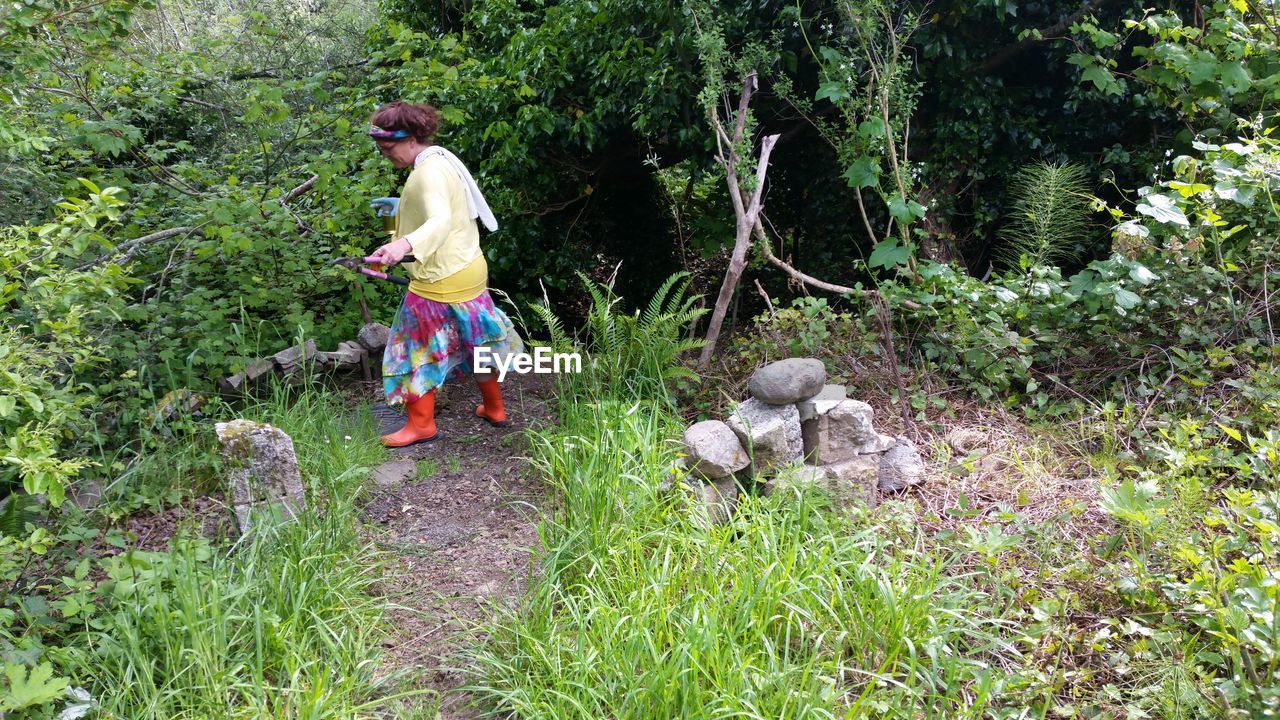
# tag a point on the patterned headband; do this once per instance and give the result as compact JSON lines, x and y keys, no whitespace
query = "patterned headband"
{"x":378,"y":133}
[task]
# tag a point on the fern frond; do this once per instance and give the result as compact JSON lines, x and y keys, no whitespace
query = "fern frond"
{"x":663,"y":297}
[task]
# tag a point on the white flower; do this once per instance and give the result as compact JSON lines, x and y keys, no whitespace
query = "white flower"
{"x":346,"y":437}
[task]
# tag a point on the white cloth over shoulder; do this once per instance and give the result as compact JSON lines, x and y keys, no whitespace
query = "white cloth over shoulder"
{"x":475,"y":200}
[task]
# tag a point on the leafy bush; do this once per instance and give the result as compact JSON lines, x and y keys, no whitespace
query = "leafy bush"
{"x":55,"y":342}
{"x":1204,"y":571}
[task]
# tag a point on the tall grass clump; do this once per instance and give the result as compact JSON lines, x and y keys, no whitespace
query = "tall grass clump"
{"x":280,"y":624}
{"x":643,"y":610}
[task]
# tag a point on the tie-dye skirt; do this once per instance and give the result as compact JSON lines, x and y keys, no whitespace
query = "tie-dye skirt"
{"x":432,"y":342}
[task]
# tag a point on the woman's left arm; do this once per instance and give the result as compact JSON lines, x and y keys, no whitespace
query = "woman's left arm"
{"x":432,"y":202}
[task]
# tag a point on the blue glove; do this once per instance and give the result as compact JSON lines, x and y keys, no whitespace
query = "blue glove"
{"x":386,"y":206}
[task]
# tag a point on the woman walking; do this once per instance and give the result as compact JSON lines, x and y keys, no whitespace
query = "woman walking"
{"x":448,"y":311}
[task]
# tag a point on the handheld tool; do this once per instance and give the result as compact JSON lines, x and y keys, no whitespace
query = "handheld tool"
{"x":358,"y":264}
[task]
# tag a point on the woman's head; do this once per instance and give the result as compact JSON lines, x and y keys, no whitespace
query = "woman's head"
{"x":403,"y":129}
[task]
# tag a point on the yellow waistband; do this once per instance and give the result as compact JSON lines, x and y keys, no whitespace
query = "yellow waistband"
{"x":464,"y":285}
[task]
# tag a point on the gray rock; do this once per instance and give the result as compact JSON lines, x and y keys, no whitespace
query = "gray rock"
{"x":820,"y":404}
{"x":847,"y":483}
{"x":714,"y":451}
{"x":346,"y":355}
{"x":901,"y":467}
{"x":771,"y":433}
{"x":394,"y":473}
{"x":797,"y":477}
{"x":714,"y":502}
{"x":787,"y":381}
{"x":178,"y":402}
{"x":854,"y":481}
{"x":881,"y":443}
{"x":374,"y":336}
{"x":85,"y":495}
{"x":294,"y":359}
{"x":245,"y":379}
{"x":262,"y":470}
{"x":842,"y":433}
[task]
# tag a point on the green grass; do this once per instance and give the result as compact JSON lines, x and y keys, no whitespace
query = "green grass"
{"x":281,"y":624}
{"x":428,"y":468}
{"x":789,"y":611}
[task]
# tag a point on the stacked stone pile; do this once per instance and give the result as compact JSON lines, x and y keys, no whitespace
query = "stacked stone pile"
{"x":292,"y":361}
{"x":796,"y":430}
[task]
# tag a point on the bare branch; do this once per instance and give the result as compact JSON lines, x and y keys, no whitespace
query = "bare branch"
{"x":129,"y":248}
{"x":304,"y":187}
{"x":811,"y":280}
{"x":766,"y":148}
{"x":740,"y":122}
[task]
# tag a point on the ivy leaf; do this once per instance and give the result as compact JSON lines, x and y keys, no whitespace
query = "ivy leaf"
{"x":38,"y":688}
{"x":1200,"y":71}
{"x":888,"y":253}
{"x":832,"y":90}
{"x":1186,"y":190}
{"x":1163,"y":209}
{"x":1126,"y":299}
{"x":1142,"y":275}
{"x":863,"y":172}
{"x":905,"y":211}
{"x":1228,"y":191}
{"x":1095,"y":72}
{"x":1102,"y":80}
{"x":872,"y":129}
{"x":1234,"y":76}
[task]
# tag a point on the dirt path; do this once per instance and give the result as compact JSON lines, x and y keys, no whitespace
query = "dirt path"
{"x":460,"y":528}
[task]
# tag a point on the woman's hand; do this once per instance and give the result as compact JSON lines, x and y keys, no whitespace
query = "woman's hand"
{"x":392,"y":253}
{"x":386,"y":206}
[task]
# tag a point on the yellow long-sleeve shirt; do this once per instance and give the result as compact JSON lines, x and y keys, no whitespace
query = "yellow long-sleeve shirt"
{"x":434,"y":218}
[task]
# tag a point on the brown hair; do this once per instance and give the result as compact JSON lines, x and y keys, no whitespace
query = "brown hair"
{"x":419,"y":120}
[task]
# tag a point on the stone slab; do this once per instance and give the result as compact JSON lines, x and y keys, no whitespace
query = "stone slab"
{"x":770,"y":433}
{"x":713,"y":450}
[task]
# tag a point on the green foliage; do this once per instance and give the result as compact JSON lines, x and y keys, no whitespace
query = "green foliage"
{"x":1216,"y":71}
{"x":640,"y":351}
{"x":1047,"y":213}
{"x":1214,"y":559}
{"x":811,"y":327}
{"x":56,"y":338}
{"x":867,"y":73}
{"x":282,"y":622}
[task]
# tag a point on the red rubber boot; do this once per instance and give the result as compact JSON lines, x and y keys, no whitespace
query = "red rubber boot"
{"x":491,"y":409}
{"x":421,"y":426}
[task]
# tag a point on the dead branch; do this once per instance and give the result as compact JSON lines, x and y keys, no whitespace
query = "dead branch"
{"x":304,"y":187}
{"x":129,"y":248}
{"x":813,"y":281}
{"x":767,"y":301}
{"x":748,"y":214}
{"x":746,"y":210}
